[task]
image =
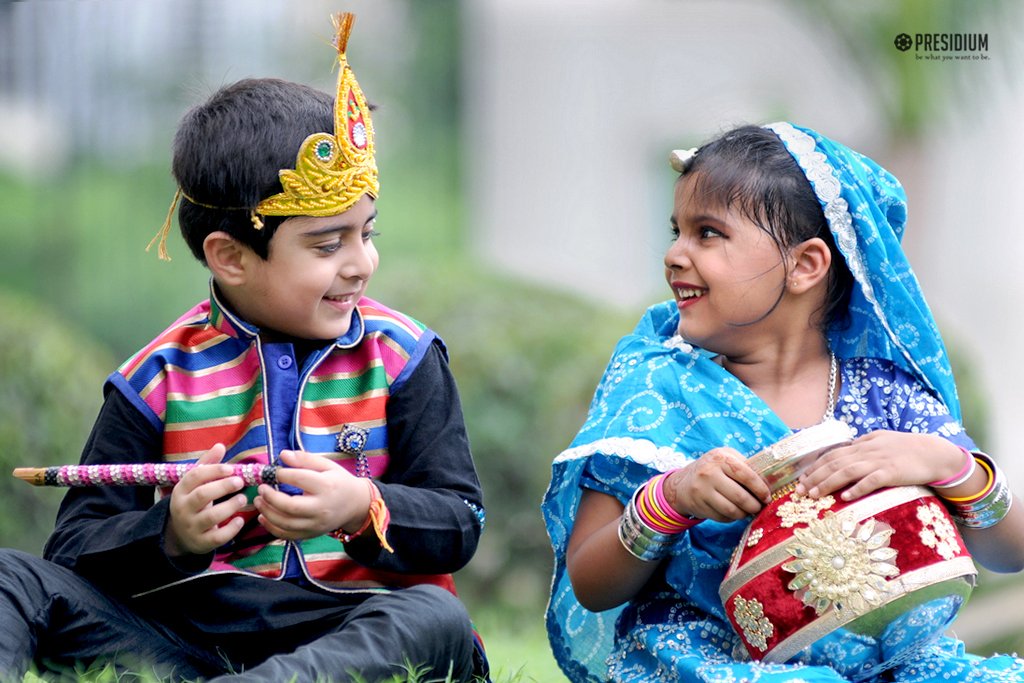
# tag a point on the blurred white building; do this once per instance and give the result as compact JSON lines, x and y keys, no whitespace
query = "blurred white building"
{"x":574,"y":106}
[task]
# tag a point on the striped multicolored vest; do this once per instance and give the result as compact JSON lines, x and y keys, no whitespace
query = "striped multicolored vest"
{"x":209,"y":379}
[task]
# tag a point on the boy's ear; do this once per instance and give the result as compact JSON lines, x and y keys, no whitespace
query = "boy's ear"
{"x":811,"y":260}
{"x":225,"y":257}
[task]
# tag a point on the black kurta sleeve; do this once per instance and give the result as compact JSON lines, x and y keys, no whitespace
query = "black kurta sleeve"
{"x":431,"y":487}
{"x":113,"y":535}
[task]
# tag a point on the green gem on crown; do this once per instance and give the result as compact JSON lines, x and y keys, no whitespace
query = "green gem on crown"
{"x":324,"y":150}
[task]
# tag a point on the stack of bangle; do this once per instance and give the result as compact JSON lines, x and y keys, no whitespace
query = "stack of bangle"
{"x":649,"y":525}
{"x":985,"y":508}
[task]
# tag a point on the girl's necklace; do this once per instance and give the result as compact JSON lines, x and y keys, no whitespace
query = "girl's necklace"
{"x":830,"y":408}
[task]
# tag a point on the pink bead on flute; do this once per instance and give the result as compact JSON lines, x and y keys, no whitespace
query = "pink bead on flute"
{"x":147,"y":474}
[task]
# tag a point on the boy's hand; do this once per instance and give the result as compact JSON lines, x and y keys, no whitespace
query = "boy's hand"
{"x":881,"y":459}
{"x":199,"y":520}
{"x":719,"y":486}
{"x":332,"y":498}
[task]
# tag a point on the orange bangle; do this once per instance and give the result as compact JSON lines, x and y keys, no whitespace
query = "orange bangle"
{"x":976,"y":496}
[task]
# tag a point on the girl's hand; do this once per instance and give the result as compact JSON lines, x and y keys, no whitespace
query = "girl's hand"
{"x":881,"y":459}
{"x":199,"y":519}
{"x":719,"y":486}
{"x":332,"y":498}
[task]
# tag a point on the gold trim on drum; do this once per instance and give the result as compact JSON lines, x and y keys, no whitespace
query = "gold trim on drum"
{"x":856,"y":512}
{"x":958,"y":568}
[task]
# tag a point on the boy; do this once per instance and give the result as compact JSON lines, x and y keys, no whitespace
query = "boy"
{"x":343,"y":567}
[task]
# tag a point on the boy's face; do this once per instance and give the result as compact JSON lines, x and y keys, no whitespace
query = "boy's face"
{"x":316,"y":271}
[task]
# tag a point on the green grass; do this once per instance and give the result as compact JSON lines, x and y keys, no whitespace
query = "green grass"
{"x":517,"y":648}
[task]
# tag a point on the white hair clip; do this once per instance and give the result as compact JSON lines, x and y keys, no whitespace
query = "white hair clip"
{"x":681,"y":159}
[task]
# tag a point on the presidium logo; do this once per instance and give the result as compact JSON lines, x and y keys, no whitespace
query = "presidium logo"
{"x":944,"y":47}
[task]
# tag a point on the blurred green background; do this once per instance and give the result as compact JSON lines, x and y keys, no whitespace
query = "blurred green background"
{"x":78,"y":293}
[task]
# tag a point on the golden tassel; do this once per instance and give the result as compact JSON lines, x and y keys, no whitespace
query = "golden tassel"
{"x":161,"y":235}
{"x":343,"y":27}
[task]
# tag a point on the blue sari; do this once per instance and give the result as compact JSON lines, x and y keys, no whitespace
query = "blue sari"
{"x":662,"y":403}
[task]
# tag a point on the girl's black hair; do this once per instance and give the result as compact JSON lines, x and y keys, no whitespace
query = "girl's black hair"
{"x":228,"y":150}
{"x":749,"y":170}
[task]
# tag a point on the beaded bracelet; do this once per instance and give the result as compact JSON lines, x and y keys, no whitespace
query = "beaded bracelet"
{"x":987,"y":508}
{"x":960,"y":477}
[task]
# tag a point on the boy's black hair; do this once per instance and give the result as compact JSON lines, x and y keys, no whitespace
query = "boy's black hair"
{"x":750,"y":170}
{"x":229,"y":149}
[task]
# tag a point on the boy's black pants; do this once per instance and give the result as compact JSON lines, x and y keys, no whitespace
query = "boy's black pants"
{"x":54,"y":618}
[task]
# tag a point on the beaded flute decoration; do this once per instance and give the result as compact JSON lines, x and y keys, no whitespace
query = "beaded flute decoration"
{"x":148,"y":474}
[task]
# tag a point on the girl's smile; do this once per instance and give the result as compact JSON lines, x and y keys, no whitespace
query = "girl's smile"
{"x":686,"y":293}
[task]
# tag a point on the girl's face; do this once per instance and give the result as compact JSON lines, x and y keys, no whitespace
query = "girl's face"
{"x":726,"y":273}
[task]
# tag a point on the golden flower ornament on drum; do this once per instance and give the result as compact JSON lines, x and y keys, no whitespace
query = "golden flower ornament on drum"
{"x":840,"y":563}
{"x":858,"y":585}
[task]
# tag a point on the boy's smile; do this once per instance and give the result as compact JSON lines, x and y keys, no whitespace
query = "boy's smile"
{"x":316,"y":271}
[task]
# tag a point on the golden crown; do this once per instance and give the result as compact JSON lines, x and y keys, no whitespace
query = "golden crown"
{"x":331,"y":171}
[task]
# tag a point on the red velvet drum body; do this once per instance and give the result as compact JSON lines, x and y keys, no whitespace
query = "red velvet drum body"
{"x":858,"y":586}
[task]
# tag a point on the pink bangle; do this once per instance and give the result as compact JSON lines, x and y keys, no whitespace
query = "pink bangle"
{"x":960,"y":477}
{"x":968,"y":500}
{"x":653,"y":510}
{"x":649,"y":513}
{"x":668,"y":510}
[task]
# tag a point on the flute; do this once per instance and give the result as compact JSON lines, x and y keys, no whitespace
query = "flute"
{"x":146,"y":474}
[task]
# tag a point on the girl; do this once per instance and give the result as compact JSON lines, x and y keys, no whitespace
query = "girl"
{"x":793,"y":303}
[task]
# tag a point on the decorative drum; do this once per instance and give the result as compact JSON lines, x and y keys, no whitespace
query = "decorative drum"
{"x":857,"y":586}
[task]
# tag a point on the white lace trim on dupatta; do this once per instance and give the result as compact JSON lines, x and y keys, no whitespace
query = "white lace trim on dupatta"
{"x":640,"y":451}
